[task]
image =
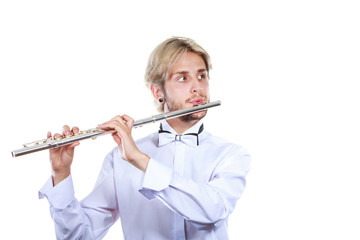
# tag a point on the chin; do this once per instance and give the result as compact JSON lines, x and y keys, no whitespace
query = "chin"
{"x":194,"y":116}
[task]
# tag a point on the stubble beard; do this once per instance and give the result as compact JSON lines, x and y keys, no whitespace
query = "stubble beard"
{"x":173,"y":106}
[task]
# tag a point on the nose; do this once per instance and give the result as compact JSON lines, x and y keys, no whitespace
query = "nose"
{"x":196,"y":86}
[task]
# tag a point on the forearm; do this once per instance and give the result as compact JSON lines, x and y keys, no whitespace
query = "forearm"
{"x":65,"y":210}
{"x":204,"y":202}
{"x":71,"y":222}
{"x":140,"y":161}
{"x":199,"y":202}
{"x":88,"y":219}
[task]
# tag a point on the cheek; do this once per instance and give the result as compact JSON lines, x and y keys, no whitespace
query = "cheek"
{"x":174,"y":89}
{"x":205,"y":86}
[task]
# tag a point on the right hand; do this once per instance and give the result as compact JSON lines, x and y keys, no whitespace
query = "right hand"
{"x":62,"y":157}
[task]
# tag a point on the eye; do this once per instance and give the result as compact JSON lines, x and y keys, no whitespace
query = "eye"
{"x":201,"y":76}
{"x":181,"y":79}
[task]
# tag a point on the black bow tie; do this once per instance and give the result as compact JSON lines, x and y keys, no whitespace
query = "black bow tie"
{"x":187,"y":138}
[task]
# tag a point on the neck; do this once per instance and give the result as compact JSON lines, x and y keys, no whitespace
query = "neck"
{"x":181,"y":126}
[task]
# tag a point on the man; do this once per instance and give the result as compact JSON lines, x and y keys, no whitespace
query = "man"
{"x":169,"y":186}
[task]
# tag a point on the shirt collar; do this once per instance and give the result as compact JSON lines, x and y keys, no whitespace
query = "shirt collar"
{"x":194,"y":129}
{"x":169,"y":134}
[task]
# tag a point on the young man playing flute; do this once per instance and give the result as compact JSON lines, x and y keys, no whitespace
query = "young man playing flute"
{"x":178,"y":183}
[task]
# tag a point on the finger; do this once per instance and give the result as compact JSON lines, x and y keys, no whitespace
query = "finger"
{"x":75,"y":130}
{"x":57,"y":135}
{"x":128,"y":120}
{"x":119,"y":119}
{"x":48,"y":135}
{"x":105,"y":126}
{"x":66,"y":130}
{"x":116,"y":121}
{"x":110,"y":126}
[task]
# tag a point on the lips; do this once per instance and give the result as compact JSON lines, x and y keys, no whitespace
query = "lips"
{"x":197,"y":101}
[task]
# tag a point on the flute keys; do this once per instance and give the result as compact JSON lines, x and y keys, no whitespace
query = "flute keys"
{"x":35,"y":143}
{"x":68,"y":136}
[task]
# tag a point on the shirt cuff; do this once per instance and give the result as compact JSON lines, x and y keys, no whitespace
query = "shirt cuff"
{"x":156,"y":178}
{"x":59,"y":196}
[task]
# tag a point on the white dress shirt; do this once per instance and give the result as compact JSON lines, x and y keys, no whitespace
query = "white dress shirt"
{"x":187,"y":191}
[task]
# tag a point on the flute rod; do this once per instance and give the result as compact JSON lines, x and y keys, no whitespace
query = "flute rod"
{"x":50,"y":143}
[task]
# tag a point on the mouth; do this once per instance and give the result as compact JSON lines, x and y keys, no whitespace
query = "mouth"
{"x":197,"y":101}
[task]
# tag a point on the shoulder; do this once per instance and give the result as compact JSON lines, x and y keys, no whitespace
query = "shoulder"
{"x":223,"y":145}
{"x":230,"y":156}
{"x":151,"y":137}
{"x":150,"y":141}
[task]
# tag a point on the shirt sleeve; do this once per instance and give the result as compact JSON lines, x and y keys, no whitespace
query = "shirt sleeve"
{"x":156,"y":178}
{"x":200,"y":202}
{"x":59,"y":196}
{"x":88,"y":219}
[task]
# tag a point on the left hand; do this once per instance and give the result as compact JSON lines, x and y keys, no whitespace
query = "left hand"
{"x":122,"y":136}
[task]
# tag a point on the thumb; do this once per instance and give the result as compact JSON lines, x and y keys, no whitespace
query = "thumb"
{"x":74,"y":144}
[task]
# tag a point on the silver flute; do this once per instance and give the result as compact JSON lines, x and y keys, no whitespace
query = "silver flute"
{"x":51,"y":142}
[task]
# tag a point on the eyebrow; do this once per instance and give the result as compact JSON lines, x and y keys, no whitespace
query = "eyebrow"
{"x":186,"y":72}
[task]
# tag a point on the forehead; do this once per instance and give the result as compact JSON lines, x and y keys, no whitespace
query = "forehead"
{"x":189,"y":61}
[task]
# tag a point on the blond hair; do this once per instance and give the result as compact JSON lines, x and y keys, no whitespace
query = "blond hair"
{"x":165,"y":55}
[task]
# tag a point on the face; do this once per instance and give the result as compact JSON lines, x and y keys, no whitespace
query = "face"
{"x":187,"y":85}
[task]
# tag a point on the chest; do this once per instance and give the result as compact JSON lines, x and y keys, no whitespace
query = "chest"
{"x":197,"y":163}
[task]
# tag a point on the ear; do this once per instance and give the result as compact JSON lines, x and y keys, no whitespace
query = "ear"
{"x":156,"y":91}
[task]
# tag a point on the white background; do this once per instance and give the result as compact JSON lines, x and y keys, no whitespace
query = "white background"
{"x":287,"y":73}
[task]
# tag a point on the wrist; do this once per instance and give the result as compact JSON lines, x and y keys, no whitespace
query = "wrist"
{"x":141,"y":161}
{"x":59,"y":176}
{"x":144,"y":162}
